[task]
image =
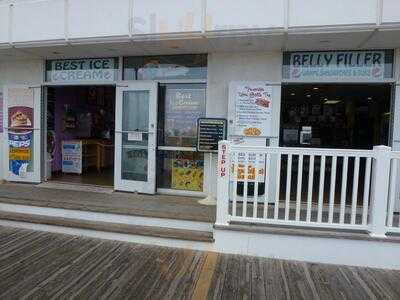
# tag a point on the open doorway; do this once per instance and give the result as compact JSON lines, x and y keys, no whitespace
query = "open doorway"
{"x":80,"y":134}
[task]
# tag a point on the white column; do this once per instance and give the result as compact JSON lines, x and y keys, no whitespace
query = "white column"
{"x":223,"y":183}
{"x":380,"y":191}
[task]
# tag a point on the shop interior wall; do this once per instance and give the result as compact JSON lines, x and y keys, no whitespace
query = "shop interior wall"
{"x":29,"y":72}
{"x":249,"y":66}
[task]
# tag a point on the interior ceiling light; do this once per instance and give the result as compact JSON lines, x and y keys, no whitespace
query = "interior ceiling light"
{"x":369,"y":98}
{"x":315,"y":88}
{"x":292,"y":94}
{"x":308,"y":96}
{"x":332,"y":102}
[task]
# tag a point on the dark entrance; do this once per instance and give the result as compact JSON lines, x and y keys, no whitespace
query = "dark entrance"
{"x":335,"y":116}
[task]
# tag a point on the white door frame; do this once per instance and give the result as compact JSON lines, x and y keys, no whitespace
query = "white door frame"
{"x":149,"y":186}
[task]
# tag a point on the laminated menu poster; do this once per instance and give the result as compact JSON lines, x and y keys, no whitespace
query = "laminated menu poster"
{"x":72,"y":157}
{"x":20,"y":153}
{"x":20,"y":130}
{"x":253,"y":109}
{"x":187,"y":174}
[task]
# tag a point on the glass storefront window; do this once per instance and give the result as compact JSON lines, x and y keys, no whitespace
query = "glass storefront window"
{"x":180,"y":170}
{"x":335,"y":116}
{"x":165,"y":67}
{"x":181,"y":105}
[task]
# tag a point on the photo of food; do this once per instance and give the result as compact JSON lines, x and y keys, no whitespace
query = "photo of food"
{"x":20,"y":116}
{"x":252,"y":131}
{"x":262,"y":102}
{"x":20,"y":119}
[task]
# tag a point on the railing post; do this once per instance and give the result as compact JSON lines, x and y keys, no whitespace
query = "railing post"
{"x":379,"y":191}
{"x":224,"y":167}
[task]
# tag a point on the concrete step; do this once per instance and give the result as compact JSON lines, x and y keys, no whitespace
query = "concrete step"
{"x":152,"y":231}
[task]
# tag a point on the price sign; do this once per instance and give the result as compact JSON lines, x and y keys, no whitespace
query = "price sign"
{"x":209,"y":132}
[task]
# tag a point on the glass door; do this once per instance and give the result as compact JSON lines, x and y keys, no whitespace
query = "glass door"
{"x":135,"y":137}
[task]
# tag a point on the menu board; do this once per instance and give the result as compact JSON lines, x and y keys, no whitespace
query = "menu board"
{"x":209,"y":132}
{"x":253,"y":109}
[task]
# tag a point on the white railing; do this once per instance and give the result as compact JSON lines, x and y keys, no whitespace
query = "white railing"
{"x":393,"y":220}
{"x":325,"y":188}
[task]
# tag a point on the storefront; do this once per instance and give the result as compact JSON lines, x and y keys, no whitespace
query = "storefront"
{"x":131,"y":122}
{"x":337,"y":99}
{"x":146,"y":108}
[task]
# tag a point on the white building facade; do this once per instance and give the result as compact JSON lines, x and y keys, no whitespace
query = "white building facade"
{"x":323,"y":51}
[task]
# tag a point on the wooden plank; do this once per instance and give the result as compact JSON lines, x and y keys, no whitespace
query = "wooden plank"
{"x":218,"y":281}
{"x":163,"y":232}
{"x":231,"y":283}
{"x":276,"y":286}
{"x":141,"y":275}
{"x":245,"y":277}
{"x":258,"y":290}
{"x":128,"y":274}
{"x":183,"y":283}
{"x":88,"y":265}
{"x":69,"y":270}
{"x":15,"y":274}
{"x":161,"y":206}
{"x":138,"y":254}
{"x":295,"y":277}
{"x":49,"y":267}
{"x":105,"y":274}
{"x":18,"y":253}
{"x":206,"y":275}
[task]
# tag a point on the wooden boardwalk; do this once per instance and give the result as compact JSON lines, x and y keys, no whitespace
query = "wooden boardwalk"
{"x":39,"y":265}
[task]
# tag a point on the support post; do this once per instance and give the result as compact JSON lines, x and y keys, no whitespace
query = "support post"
{"x":380,"y":191}
{"x":223,"y":183}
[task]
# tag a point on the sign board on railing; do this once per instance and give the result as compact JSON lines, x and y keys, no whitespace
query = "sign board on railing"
{"x":254,"y":161}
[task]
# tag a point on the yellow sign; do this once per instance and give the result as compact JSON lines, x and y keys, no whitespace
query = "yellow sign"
{"x":187,"y":175}
{"x":20,"y":154}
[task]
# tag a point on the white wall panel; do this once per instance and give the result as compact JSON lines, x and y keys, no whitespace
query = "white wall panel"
{"x":391,"y":11}
{"x":242,"y":14}
{"x":4,"y":23}
{"x":172,"y":16}
{"x":38,"y":20}
{"x":98,"y":18}
{"x":331,"y":12}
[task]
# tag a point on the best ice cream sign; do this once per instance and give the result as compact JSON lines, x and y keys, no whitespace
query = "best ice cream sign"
{"x":337,"y":65}
{"x":96,"y":69}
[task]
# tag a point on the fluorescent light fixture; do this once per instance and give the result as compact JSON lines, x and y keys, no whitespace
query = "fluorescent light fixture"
{"x":292,"y":94}
{"x":308,"y":96}
{"x":316,"y":88}
{"x":369,"y":98}
{"x":332,"y":102}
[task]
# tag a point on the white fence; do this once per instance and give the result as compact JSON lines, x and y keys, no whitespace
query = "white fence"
{"x":324,"y":188}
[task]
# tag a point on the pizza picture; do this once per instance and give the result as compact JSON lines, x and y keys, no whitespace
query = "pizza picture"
{"x":252,"y":131}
